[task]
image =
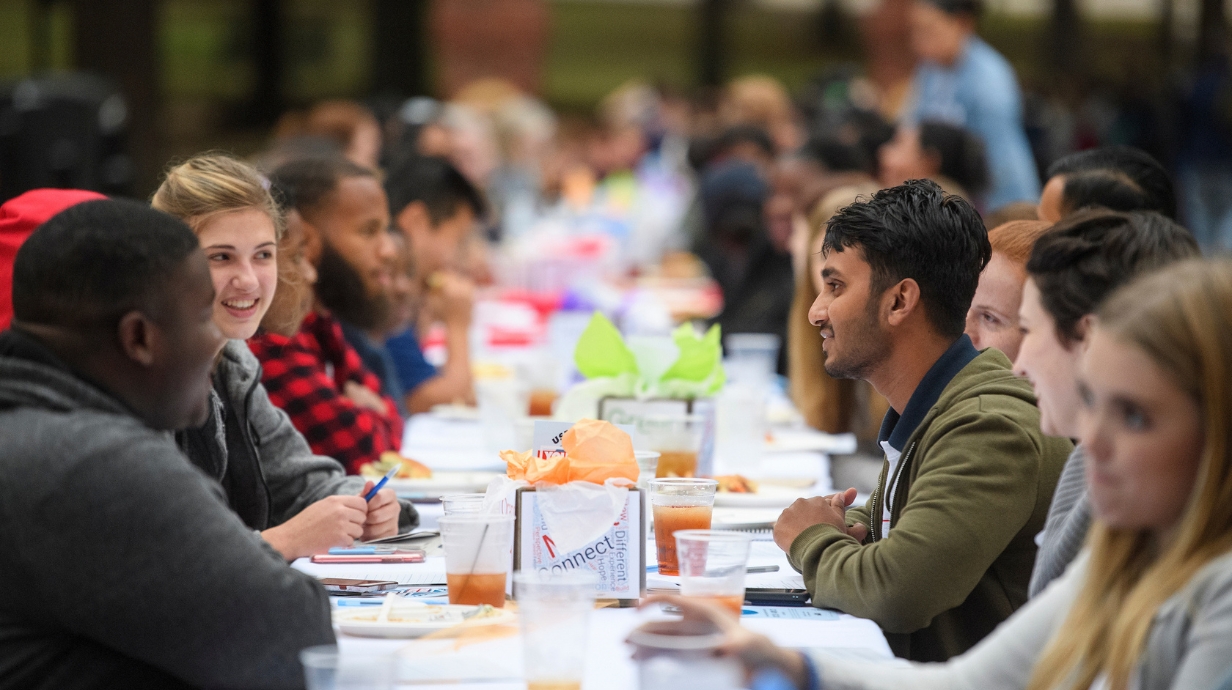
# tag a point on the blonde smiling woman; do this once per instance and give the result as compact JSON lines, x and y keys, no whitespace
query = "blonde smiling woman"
{"x":300,"y":503}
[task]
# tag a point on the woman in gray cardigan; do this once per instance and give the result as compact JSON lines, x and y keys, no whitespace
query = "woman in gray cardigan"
{"x":1148,"y":604}
{"x":301,"y":503}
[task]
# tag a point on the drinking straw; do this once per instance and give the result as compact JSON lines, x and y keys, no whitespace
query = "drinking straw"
{"x":475,"y":561}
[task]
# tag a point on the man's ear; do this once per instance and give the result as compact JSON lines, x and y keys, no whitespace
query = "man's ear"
{"x":138,"y":338}
{"x":903,"y":299}
{"x":1082,"y":330}
{"x":414,"y":220}
{"x":314,"y":244}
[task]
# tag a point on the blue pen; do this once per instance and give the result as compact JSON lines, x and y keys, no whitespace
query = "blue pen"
{"x":360,"y":550}
{"x":381,"y":484}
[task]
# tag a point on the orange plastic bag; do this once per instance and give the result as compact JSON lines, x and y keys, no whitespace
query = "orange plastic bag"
{"x":598,"y":451}
{"x":528,"y":466}
{"x":595,"y":451}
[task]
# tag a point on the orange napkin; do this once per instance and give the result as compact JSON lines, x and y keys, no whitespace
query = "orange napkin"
{"x":598,"y":451}
{"x":595,"y":451}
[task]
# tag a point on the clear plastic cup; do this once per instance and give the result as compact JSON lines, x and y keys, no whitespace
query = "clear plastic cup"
{"x":679,"y":504}
{"x":647,"y":466}
{"x":713,"y":564}
{"x":554,"y":610}
{"x":683,"y":655}
{"x":677,"y":438}
{"x":751,"y":358}
{"x":457,"y":504}
{"x":478,"y":557}
{"x":325,"y":668}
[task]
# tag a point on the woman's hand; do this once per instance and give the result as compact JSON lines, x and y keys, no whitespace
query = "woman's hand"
{"x":755,"y":652}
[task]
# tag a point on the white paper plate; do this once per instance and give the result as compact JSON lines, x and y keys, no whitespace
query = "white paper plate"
{"x":767,"y":496}
{"x":796,"y":440}
{"x":444,"y":483}
{"x":744,"y":518}
{"x":413,"y":619}
{"x":463,"y":412}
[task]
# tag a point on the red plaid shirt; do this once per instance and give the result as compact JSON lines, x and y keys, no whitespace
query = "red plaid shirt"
{"x":306,"y":375}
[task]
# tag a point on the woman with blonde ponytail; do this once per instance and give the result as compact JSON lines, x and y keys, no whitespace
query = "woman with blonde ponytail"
{"x":1148,"y":604}
{"x":300,"y":503}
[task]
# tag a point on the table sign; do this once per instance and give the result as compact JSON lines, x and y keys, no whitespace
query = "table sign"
{"x":617,"y":556}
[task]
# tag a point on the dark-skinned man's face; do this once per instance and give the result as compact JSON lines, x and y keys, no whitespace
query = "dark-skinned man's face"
{"x":358,"y":254}
{"x":179,"y":375}
{"x":354,"y":221}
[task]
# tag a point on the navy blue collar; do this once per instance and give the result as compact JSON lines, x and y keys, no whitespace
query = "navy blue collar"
{"x":897,"y":428}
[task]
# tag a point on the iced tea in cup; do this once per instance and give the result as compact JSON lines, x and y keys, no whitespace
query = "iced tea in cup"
{"x":679,"y":504}
{"x":713,"y":564}
{"x":478,"y":557}
{"x":457,"y":504}
{"x":678,"y":438}
{"x":554,"y":612}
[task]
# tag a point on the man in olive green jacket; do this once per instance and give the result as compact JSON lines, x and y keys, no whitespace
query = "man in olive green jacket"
{"x":942,"y":552}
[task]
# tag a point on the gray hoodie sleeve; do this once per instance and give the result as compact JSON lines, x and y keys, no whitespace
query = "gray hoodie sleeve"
{"x":295,"y":476}
{"x":129,"y":545}
{"x":1065,"y":529}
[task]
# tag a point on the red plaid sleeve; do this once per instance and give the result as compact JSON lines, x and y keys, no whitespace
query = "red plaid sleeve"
{"x":297,"y":376}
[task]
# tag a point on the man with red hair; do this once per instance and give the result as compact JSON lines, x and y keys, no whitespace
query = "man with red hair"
{"x":19,"y":217}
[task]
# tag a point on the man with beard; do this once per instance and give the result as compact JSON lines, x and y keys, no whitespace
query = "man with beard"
{"x":316,"y":376}
{"x":942,"y":551}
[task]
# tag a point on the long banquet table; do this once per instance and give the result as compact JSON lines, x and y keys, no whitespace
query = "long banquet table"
{"x":494,"y":662}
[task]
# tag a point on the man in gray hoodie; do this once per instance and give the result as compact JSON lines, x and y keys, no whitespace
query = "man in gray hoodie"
{"x":121,"y":565}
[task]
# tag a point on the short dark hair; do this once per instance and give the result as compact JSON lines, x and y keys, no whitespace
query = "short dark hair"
{"x":436,"y":183}
{"x":961,"y":153}
{"x":971,"y":8}
{"x":94,"y":262}
{"x":1118,"y":178}
{"x":835,"y":154}
{"x":917,"y":231}
{"x":303,"y":184}
{"x":1089,"y":254}
{"x":704,"y":152}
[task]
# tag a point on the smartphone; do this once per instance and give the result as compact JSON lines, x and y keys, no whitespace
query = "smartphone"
{"x":343,"y":585}
{"x":400,"y":557}
{"x":406,"y":536}
{"x":768,"y":596}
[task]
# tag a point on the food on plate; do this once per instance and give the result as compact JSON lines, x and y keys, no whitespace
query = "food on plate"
{"x":411,"y":612}
{"x":736,"y":484}
{"x":410,"y":469}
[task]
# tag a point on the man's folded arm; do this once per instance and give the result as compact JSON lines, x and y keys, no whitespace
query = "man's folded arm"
{"x":161,"y":570}
{"x":974,"y":492}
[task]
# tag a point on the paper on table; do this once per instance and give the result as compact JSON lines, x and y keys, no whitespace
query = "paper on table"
{"x":790,"y":613}
{"x":401,"y":574}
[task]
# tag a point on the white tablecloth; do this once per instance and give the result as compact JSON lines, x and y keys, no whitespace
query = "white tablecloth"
{"x":458,"y":445}
{"x":497,"y":663}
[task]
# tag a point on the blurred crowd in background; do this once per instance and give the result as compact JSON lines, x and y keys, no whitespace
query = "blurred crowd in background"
{"x":662,"y":204}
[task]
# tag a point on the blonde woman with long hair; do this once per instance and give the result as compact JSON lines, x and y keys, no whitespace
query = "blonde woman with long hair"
{"x":1148,"y":604}
{"x":302,"y":504}
{"x":832,"y":405}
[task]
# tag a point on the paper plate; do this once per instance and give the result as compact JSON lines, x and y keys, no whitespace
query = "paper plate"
{"x":464,"y":412}
{"x":744,"y":518}
{"x":415,"y":619}
{"x":766,"y":497}
{"x":796,"y":440}
{"x":443,"y":483}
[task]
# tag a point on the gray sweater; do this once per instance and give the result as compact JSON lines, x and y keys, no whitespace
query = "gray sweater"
{"x":1065,"y":530}
{"x":1188,"y":647}
{"x":250,"y":446}
{"x":121,"y":565}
